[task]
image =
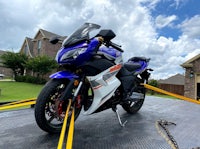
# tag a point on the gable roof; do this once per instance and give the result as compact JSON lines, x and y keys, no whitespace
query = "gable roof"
{"x":30,"y":45}
{"x":29,"y":42}
{"x":48,"y":35}
{"x":177,"y":79}
{"x":188,"y":64}
{"x":45,"y":35}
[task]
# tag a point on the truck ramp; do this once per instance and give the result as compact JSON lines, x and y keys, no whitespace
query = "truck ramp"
{"x":18,"y":128}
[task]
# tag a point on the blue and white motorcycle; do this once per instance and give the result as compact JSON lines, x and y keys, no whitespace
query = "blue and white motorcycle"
{"x":93,"y":75}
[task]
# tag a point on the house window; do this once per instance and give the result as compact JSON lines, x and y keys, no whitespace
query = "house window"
{"x":39,"y":46}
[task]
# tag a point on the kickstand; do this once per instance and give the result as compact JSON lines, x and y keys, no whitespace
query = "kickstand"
{"x":119,"y":119}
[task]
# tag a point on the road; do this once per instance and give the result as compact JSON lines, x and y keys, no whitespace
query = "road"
{"x":18,"y":129}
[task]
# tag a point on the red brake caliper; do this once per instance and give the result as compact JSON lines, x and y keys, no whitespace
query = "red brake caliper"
{"x":60,"y":110}
{"x":78,"y":101}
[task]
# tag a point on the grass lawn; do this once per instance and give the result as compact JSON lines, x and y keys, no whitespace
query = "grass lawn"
{"x":162,"y":95}
{"x":13,"y":91}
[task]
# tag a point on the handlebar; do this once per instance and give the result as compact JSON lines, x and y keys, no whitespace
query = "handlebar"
{"x":109,"y":43}
{"x":116,"y":46}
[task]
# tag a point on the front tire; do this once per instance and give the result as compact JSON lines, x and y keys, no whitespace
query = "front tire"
{"x":49,"y":110}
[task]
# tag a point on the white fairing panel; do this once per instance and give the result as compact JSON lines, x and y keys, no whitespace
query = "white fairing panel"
{"x":103,"y":86}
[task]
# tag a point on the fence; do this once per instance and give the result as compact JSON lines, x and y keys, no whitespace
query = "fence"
{"x":177,"y":89}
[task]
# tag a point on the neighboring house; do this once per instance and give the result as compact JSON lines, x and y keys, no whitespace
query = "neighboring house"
{"x":40,"y":45}
{"x":192,"y":77}
{"x":37,"y":46}
{"x":174,"y":84}
{"x":3,"y":70}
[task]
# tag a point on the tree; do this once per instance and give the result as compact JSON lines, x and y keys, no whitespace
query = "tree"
{"x":15,"y":61}
{"x":153,"y":83}
{"x":41,"y":65}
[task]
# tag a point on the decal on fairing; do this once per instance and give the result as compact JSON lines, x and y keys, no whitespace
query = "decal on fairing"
{"x":106,"y":77}
{"x":103,"y":85}
{"x":115,"y":68}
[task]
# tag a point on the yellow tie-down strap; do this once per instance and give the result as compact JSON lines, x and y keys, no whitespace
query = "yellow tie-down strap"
{"x":17,"y":104}
{"x":32,"y":101}
{"x":170,"y":94}
{"x":69,"y":141}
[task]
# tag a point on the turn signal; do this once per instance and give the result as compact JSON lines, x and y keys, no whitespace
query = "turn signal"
{"x":100,"y":39}
{"x":76,"y":82}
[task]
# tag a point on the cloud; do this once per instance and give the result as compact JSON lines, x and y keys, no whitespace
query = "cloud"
{"x":150,"y":4}
{"x":15,"y":23}
{"x":174,"y":54}
{"x":132,"y":22}
{"x":163,"y":21}
{"x":190,"y":27}
{"x":179,"y":3}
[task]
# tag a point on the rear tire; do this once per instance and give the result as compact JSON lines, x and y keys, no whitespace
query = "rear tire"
{"x":134,"y":107}
{"x":46,"y":108}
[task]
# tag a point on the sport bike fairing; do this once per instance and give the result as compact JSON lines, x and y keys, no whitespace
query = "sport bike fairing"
{"x":103,"y":86}
{"x":63,"y":75}
{"x":76,"y":49}
{"x":81,"y":34}
{"x":111,"y":54}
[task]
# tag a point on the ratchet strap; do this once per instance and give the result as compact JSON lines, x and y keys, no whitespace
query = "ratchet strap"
{"x":16,"y":105}
{"x":62,"y":134}
{"x":70,"y":131}
{"x":170,"y":94}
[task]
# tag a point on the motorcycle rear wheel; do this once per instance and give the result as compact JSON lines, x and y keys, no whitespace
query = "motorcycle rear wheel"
{"x":133,"y":107}
{"x":49,"y":110}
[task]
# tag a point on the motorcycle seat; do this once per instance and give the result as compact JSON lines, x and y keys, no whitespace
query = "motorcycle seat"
{"x":132,"y":66}
{"x":136,"y":59}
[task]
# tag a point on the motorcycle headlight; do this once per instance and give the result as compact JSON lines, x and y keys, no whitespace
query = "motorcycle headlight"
{"x":72,"y":54}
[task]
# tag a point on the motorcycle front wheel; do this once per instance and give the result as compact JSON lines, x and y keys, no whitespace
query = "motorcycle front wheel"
{"x":49,"y":110}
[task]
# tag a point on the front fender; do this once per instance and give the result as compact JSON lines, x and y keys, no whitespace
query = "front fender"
{"x":63,"y":75}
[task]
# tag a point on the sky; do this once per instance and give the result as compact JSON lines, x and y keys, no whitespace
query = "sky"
{"x":167,"y":31}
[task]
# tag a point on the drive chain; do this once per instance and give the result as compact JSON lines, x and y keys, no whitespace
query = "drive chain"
{"x":167,"y":136}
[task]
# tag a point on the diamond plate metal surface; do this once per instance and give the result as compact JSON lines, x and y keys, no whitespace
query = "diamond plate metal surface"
{"x":18,"y":129}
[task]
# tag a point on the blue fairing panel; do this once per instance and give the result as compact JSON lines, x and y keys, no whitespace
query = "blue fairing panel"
{"x":63,"y":74}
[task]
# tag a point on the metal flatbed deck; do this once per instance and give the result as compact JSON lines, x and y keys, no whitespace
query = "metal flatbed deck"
{"x":18,"y":129}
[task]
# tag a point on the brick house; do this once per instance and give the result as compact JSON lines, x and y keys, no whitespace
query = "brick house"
{"x":40,"y":45}
{"x":192,"y":77}
{"x":3,"y":70}
{"x":174,"y":84}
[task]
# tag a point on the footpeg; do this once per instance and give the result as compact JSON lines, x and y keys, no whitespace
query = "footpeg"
{"x":119,"y":119}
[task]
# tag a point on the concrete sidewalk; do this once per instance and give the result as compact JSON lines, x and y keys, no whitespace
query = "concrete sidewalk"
{"x":18,"y":129}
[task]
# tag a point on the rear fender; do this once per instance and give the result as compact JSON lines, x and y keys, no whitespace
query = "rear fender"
{"x":64,"y":75}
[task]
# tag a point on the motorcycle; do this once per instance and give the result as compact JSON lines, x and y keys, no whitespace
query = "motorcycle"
{"x":92,"y":74}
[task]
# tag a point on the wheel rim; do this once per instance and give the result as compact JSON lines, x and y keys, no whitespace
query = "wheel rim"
{"x":55,"y":109}
{"x":136,"y":103}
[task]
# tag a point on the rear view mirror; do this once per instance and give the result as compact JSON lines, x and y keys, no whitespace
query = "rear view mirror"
{"x":107,"y":34}
{"x":54,"y":40}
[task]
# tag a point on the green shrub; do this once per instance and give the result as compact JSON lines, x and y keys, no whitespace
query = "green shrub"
{"x":30,"y":79}
{"x":153,"y":83}
{"x":20,"y":78}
